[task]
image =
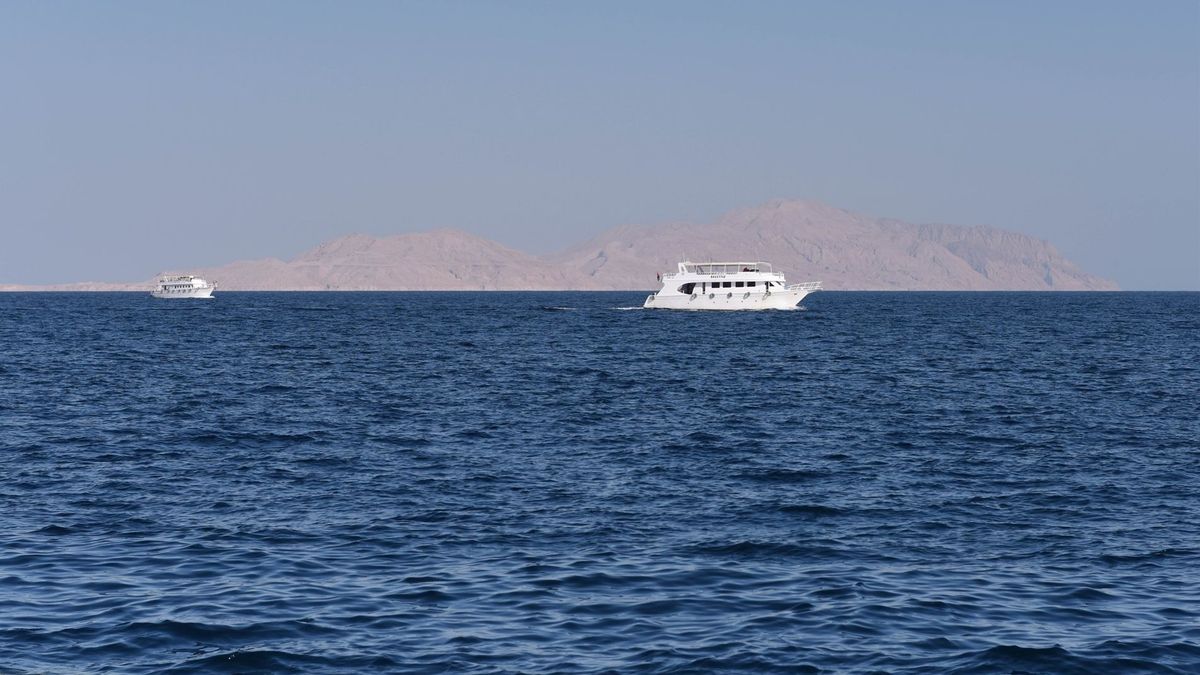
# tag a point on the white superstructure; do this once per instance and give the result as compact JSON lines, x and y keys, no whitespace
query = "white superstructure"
{"x":728,"y":285}
{"x":183,"y":286}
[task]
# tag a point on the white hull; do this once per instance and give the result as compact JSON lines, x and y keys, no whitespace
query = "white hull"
{"x":174,"y":286}
{"x":746,"y":285}
{"x":189,"y":293}
{"x":727,"y":301}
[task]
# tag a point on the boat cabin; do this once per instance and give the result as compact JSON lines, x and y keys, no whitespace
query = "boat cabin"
{"x":727,"y":285}
{"x":724,"y":277}
{"x":723,"y":267}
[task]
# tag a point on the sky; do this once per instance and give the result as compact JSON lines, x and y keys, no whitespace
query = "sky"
{"x":142,"y":136}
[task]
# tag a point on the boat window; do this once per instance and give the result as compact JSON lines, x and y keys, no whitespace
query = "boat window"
{"x":687,"y":289}
{"x":739,"y":284}
{"x":750,"y":284}
{"x":727,"y":284}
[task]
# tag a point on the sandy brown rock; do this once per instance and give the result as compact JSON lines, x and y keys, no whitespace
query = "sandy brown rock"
{"x":844,"y":250}
{"x":806,"y":240}
{"x":438,"y":260}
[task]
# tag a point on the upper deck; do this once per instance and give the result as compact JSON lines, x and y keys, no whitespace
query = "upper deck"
{"x":720,"y":270}
{"x":181,"y":281}
{"x":724,"y":267}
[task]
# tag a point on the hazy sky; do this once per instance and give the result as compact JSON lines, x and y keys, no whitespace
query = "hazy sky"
{"x":138,"y":136}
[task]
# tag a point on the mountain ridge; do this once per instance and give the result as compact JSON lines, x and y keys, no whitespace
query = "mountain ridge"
{"x":805,"y":239}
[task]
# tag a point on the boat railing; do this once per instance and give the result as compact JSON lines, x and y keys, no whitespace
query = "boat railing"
{"x":809,"y":286}
{"x":719,"y":275}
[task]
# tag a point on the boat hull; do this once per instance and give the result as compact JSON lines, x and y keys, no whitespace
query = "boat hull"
{"x":727,"y":301}
{"x":189,"y":293}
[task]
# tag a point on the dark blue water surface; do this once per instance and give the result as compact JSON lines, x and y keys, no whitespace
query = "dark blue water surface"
{"x":553,"y":482}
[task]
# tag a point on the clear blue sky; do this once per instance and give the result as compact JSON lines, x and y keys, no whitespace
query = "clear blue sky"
{"x":137,"y":136}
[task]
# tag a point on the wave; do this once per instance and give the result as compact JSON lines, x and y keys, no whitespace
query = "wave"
{"x":1149,"y":557}
{"x":816,"y":510}
{"x":1054,"y":659}
{"x":463,"y":482}
{"x":278,"y":660}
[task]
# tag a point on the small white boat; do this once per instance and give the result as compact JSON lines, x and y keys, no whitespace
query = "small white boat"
{"x":727,"y":285}
{"x":183,"y":286}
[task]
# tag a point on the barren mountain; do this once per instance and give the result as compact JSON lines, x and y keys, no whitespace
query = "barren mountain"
{"x":806,"y":240}
{"x":437,"y":260}
{"x":845,"y":250}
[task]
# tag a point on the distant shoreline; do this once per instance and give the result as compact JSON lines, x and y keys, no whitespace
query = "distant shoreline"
{"x":577,"y":290}
{"x":807,"y":240}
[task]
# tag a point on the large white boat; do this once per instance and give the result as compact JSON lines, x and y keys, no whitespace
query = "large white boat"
{"x":728,"y":285}
{"x":183,"y":286}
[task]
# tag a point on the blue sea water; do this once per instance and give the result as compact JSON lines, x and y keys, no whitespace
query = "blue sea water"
{"x":560,"y":482}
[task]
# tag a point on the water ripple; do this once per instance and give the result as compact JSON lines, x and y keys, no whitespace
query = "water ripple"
{"x":533,"y":482}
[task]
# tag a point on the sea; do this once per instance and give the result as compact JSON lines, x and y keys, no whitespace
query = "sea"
{"x":503,"y":482}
